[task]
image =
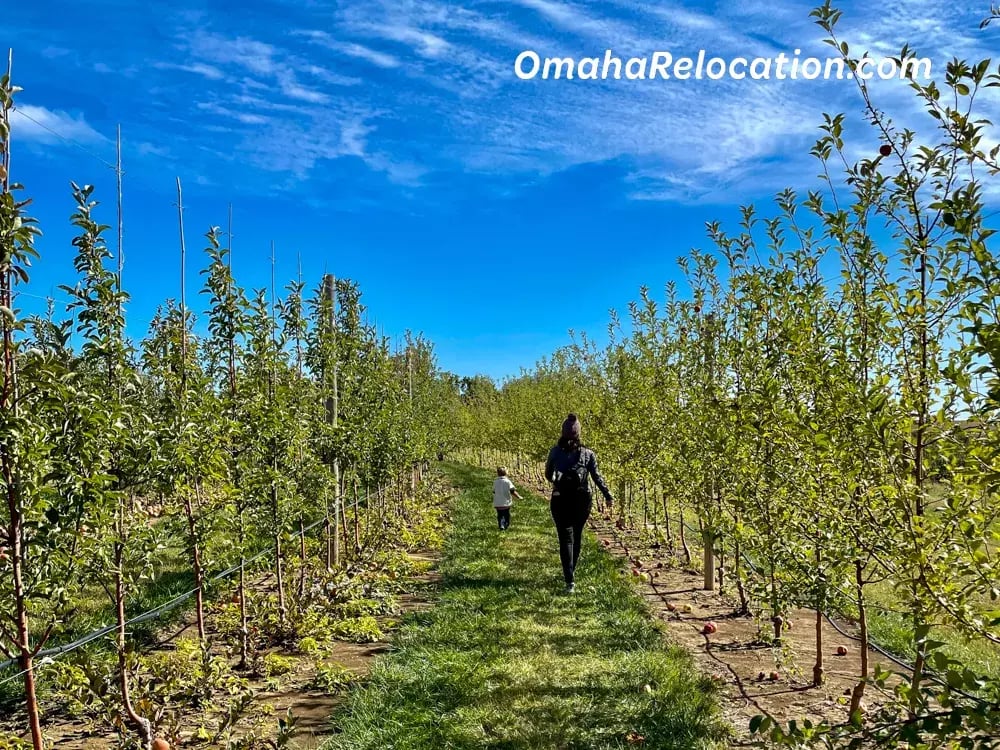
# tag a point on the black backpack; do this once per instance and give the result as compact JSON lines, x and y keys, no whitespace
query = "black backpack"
{"x":572,"y":477}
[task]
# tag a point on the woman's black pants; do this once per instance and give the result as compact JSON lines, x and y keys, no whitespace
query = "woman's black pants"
{"x":570,"y":514}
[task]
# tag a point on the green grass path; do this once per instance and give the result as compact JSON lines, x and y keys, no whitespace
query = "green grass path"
{"x":506,"y":660}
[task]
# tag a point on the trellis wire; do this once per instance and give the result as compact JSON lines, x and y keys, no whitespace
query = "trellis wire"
{"x":48,"y":656}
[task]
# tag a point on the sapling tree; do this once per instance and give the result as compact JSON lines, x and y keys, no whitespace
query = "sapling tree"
{"x":910,"y":186}
{"x":187,"y":419}
{"x":227,"y":325}
{"x":44,"y":412}
{"x":266,"y":451}
{"x":305,"y":469}
{"x":704,"y":403}
{"x":125,"y":454}
{"x":321,"y":356}
{"x":857,"y":350}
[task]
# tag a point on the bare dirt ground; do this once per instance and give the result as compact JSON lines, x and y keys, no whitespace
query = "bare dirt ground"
{"x":311,"y":707}
{"x":739,"y":655}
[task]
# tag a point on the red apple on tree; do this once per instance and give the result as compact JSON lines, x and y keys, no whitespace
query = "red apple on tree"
{"x":885,"y":149}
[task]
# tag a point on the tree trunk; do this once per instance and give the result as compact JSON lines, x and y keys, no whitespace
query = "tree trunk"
{"x":684,"y":544}
{"x":279,"y":572}
{"x":139,"y":723}
{"x":242,"y":593}
{"x":645,"y":511}
{"x":357,"y":516}
{"x":859,"y":690}
{"x":302,"y":559}
{"x":666,"y":522}
{"x":737,"y":573}
{"x":708,"y":550}
{"x":818,"y":666}
{"x":328,"y":536}
{"x":199,"y":594}
{"x":26,"y":657}
{"x":336,"y":514}
{"x":818,"y":671}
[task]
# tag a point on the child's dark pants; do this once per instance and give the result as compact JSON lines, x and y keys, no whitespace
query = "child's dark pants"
{"x":503,"y":518}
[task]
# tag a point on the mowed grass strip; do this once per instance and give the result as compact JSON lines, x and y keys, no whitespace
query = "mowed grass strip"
{"x":506,"y":660}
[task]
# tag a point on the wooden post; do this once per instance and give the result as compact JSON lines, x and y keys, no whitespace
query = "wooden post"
{"x":332,"y":407}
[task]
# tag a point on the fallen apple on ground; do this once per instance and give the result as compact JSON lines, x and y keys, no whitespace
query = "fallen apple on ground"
{"x":841,"y":650}
{"x":710,"y":627}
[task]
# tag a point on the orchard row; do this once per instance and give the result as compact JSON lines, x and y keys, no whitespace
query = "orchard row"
{"x":232,"y":441}
{"x":818,"y":409}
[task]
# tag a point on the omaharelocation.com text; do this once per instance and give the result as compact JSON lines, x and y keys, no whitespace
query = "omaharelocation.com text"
{"x":663,"y":64}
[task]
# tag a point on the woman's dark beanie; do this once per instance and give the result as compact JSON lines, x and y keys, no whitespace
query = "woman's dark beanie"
{"x":571,"y":429}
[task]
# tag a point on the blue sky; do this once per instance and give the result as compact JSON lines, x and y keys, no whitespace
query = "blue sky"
{"x":391,"y":142}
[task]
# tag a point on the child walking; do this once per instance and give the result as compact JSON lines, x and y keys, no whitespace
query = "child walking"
{"x":503,"y":497}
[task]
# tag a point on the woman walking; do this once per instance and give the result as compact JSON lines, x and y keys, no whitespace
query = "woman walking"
{"x":568,"y":468}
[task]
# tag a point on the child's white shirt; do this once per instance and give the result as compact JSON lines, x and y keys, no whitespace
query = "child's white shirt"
{"x":502,"y":487}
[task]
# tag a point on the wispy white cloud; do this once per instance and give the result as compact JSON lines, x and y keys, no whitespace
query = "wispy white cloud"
{"x":375,"y":57}
{"x":152,"y":149}
{"x":255,"y":56}
{"x":569,"y":17}
{"x":41,"y":125}
{"x":422,"y":88}
{"x":423,"y":42}
{"x":351,"y":49}
{"x":297,"y":147}
{"x":327,"y":76}
{"x":291,"y":88}
{"x":210,"y":72}
{"x":129,"y":71}
{"x":247,"y":118}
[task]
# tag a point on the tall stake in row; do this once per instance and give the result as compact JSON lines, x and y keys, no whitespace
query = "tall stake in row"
{"x":332,"y":408}
{"x":275,"y":510}
{"x":190,"y":509}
